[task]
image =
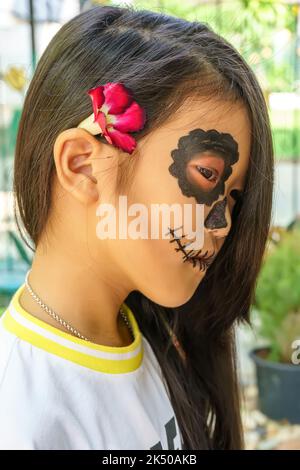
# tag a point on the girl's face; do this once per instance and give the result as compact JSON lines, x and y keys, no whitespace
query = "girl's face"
{"x":199,"y":157}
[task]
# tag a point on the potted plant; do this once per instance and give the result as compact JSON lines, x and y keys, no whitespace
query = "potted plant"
{"x":277,"y":301}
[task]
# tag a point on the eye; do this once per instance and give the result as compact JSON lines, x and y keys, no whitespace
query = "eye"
{"x":205,"y":171}
{"x":209,"y":174}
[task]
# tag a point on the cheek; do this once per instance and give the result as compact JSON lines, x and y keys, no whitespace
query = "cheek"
{"x":156,"y":186}
{"x":150,"y":182}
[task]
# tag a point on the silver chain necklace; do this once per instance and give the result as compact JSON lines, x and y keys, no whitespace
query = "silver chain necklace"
{"x":61,"y":320}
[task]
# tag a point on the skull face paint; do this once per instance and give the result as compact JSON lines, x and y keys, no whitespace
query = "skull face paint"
{"x":216,"y":218}
{"x":195,"y":257}
{"x":203,"y":162}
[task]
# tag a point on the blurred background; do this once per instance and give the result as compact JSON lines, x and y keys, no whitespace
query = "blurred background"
{"x":267,"y":34}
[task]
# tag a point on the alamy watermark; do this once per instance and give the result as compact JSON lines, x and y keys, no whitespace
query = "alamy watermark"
{"x":136,"y":221}
{"x":295,"y":357}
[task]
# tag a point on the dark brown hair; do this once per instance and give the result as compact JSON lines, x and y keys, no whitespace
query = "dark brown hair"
{"x":163,"y":59}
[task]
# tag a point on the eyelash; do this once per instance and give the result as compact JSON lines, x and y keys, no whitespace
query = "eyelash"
{"x":199,"y":168}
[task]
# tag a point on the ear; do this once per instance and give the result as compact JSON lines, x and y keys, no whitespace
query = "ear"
{"x":75,"y":154}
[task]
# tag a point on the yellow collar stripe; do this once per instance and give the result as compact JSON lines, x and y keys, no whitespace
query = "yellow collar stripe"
{"x":15,"y":302}
{"x":67,"y":346}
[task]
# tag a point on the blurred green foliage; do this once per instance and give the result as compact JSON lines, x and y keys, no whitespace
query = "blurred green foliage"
{"x":251,"y":26}
{"x":277,"y":295}
{"x":286,"y":143}
{"x":8,"y":134}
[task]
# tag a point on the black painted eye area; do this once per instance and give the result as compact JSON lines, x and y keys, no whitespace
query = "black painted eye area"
{"x":202,"y":163}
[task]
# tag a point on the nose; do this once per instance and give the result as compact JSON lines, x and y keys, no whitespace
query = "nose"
{"x":218,"y":221}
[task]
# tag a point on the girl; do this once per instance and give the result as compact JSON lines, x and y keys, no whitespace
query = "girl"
{"x":127,"y":342}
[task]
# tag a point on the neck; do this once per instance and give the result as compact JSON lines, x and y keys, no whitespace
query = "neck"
{"x":89,"y":301}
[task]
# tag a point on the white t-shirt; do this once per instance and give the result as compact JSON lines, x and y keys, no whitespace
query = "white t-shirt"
{"x":58,"y":391}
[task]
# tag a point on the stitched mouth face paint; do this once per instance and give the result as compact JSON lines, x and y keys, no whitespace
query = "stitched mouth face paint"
{"x":192,"y":256}
{"x":203,"y":162}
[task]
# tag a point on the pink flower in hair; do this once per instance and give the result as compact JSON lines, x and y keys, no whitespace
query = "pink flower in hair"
{"x":115,"y":114}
